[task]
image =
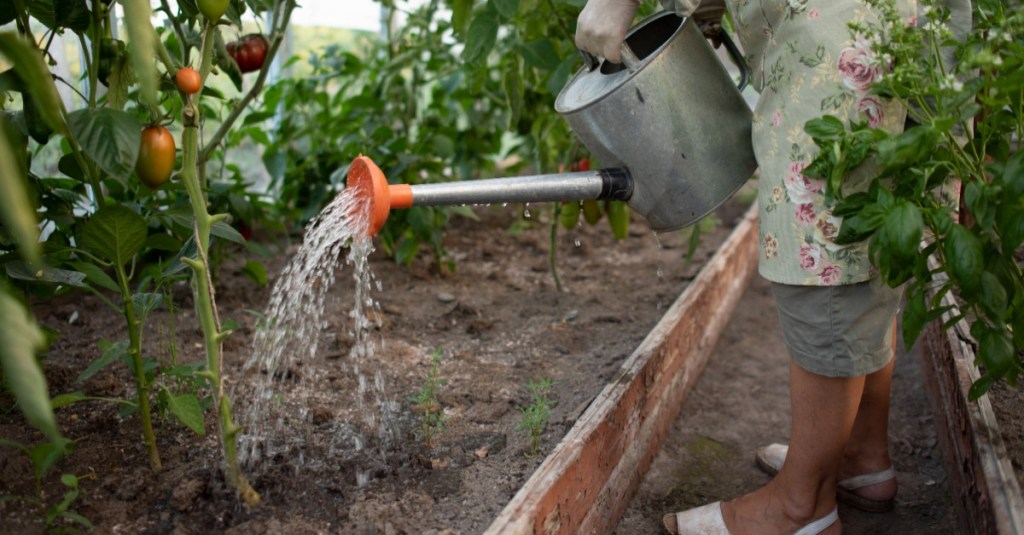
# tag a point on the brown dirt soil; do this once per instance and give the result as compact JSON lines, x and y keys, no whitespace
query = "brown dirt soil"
{"x":500,"y":324}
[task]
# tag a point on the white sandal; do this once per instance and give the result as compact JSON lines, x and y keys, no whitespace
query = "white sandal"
{"x":770,"y":459}
{"x":707,"y":520}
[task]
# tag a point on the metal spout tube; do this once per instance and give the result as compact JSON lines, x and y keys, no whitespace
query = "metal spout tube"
{"x":602,"y":184}
{"x":372,"y":189}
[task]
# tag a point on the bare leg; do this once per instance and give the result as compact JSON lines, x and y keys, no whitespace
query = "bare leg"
{"x":868,"y":448}
{"x":824,"y":411}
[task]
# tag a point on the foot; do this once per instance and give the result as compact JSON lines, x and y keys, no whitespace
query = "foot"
{"x":869,"y":491}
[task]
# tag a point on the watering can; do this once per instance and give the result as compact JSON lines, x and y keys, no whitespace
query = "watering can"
{"x":668,"y":125}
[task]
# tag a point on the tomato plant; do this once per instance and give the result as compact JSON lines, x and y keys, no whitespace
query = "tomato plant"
{"x":99,"y":228}
{"x":188,"y":80}
{"x":249,"y":52}
{"x":156,"y":156}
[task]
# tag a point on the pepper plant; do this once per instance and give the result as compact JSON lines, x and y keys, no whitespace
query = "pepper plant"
{"x":965,"y":96}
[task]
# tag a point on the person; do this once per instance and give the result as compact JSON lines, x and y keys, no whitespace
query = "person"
{"x":838,"y":319}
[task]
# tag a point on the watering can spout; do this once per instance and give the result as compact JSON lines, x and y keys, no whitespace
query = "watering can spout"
{"x":371,"y":187}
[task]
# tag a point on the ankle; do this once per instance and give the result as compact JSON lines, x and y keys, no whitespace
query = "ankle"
{"x":804,"y":507}
{"x":857,"y":461}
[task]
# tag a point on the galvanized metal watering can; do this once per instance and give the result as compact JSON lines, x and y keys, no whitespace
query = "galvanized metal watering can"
{"x":669,"y":126}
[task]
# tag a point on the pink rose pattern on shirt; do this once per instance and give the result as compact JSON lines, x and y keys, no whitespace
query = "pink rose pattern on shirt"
{"x":806,"y":63}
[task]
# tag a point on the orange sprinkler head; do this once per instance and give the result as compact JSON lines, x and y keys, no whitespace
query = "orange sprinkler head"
{"x":371,"y":186}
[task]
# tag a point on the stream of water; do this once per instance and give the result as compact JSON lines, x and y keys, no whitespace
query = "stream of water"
{"x":277,"y":383}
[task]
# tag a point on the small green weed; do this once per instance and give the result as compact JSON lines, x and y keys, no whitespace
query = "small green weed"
{"x":425,"y":401}
{"x":58,"y":517}
{"x":536,"y":415}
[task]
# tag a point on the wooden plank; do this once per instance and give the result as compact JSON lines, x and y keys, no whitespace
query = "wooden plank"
{"x":985,"y":490}
{"x":586,"y":483}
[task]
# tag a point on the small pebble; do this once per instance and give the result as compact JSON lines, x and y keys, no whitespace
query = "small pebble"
{"x":445,"y":297}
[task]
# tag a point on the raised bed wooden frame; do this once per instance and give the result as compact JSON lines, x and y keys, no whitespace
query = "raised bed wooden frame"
{"x":982,"y":480}
{"x":586,"y":483}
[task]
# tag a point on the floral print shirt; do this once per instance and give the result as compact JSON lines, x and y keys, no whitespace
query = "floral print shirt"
{"x":806,"y":63}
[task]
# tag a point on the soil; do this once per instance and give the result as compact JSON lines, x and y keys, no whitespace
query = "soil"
{"x":499,"y":323}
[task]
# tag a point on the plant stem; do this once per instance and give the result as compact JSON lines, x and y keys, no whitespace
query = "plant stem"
{"x":202,"y":286}
{"x":135,"y":352}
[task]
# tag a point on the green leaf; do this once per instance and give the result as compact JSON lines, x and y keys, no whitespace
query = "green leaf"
{"x":827,"y":128}
{"x":915,"y":315}
{"x":1012,"y":175}
{"x":68,"y":165}
{"x":993,"y":297}
{"x":7,"y":12}
{"x":461,"y":11}
{"x":480,"y":39}
{"x":110,"y":137}
{"x":225,"y":231}
{"x":189,"y":250}
{"x":96,"y":276}
{"x":514,"y":94}
{"x":16,"y":212}
{"x":20,"y":340}
{"x":45,"y":456}
{"x":64,"y":400}
{"x":903,"y":227}
{"x":980,"y":387}
{"x":145,"y":303}
{"x":115,"y":233}
{"x":113,"y":353}
{"x":539,"y":54}
{"x":30,"y":67}
{"x":43,"y":11}
{"x":163,"y":242}
{"x":72,"y":14}
{"x":908,"y":148}
{"x":506,"y":8}
{"x":963,"y":256}
{"x":995,"y":352}
{"x":256,"y":272}
{"x":187,"y":410}
{"x":46,"y":274}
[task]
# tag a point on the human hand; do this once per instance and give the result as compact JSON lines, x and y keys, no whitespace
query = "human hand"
{"x":602,"y":25}
{"x":709,"y":19}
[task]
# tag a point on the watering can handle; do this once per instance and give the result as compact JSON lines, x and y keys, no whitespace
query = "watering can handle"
{"x":590,"y":62}
{"x":737,"y":59}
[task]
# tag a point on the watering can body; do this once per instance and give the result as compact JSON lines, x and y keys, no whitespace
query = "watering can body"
{"x":674,"y":119}
{"x":671,"y":131}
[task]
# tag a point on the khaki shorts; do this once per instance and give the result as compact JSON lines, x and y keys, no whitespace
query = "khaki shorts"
{"x":839,"y":331}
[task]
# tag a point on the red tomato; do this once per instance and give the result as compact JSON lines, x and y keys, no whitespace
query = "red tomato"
{"x":249,"y":52}
{"x":156,"y":156}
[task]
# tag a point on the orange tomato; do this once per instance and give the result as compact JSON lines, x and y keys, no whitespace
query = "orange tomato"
{"x":188,"y":80}
{"x":156,"y":156}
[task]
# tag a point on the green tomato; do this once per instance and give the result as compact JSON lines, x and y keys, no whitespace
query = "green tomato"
{"x":213,"y":9}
